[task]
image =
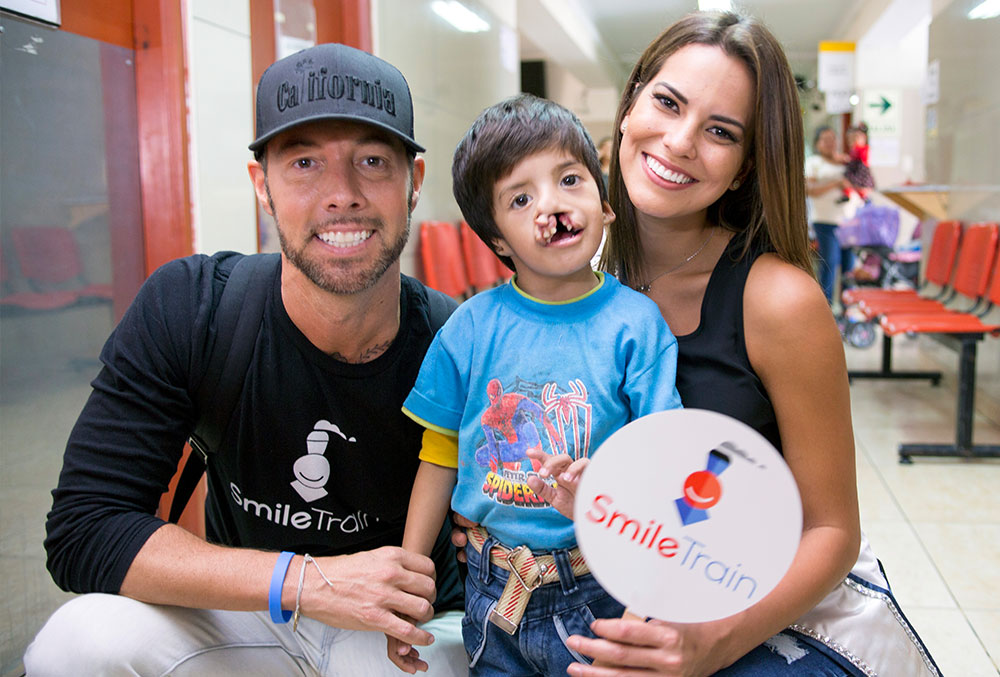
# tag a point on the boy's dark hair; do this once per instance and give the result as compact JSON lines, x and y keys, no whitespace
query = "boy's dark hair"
{"x":503,"y":135}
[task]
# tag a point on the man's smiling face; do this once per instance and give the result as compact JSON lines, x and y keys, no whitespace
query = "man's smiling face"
{"x":341,"y":194}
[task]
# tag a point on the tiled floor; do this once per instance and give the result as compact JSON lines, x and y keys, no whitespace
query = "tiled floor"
{"x":935,"y":524}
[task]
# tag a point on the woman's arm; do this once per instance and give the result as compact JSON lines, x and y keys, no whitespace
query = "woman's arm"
{"x":817,"y":187}
{"x":795,"y":348}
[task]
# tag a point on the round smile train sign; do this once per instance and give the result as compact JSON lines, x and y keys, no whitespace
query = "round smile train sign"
{"x":688,"y":516}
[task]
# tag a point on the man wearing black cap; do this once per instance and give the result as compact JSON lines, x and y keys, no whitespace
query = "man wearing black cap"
{"x":316,"y":460}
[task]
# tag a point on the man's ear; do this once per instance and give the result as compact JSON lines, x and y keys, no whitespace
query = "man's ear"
{"x":419,"y":170}
{"x":259,"y":179}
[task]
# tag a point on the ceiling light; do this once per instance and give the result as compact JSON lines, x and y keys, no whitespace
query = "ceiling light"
{"x":459,"y":16}
{"x":987,"y":9}
{"x":719,"y":5}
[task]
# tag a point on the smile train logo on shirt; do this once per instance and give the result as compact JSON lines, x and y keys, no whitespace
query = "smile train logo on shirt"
{"x":702,"y":489}
{"x":312,"y":471}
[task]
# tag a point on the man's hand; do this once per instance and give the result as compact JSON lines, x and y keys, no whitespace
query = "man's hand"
{"x":377,"y":590}
{"x":567,"y":474}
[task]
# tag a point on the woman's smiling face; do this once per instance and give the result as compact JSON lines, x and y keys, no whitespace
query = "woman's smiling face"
{"x":685,"y":139}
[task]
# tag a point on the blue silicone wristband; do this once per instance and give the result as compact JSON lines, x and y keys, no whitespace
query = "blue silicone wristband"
{"x":278,"y":615}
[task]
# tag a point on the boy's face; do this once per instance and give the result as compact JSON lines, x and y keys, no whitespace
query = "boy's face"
{"x":551,"y":220}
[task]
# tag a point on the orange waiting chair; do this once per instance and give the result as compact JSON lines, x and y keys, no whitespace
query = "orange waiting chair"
{"x":49,"y":260}
{"x":50,"y":255}
{"x":972,"y":275}
{"x":480,"y":261}
{"x":961,"y":331}
{"x":940,"y":264}
{"x":441,"y":258}
{"x":972,"y":272}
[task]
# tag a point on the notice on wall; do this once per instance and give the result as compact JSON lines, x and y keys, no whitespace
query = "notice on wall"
{"x":835,"y":67}
{"x":932,"y":85}
{"x":880,"y":109}
{"x":42,"y":10}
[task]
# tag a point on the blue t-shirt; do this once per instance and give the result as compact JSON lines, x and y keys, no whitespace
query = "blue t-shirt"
{"x":508,"y":372}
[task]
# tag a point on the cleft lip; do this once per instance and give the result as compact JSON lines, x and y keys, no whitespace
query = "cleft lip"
{"x":560,"y":221}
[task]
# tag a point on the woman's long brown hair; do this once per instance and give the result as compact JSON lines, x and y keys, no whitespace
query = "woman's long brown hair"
{"x":768,"y":210}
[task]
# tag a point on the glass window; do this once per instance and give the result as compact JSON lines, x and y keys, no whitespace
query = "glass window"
{"x":70,"y":261}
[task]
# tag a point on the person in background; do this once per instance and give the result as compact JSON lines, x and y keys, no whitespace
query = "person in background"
{"x":857,"y":171}
{"x":604,"y":157}
{"x":825,"y":184}
{"x":544,"y":367}
{"x":318,"y":460}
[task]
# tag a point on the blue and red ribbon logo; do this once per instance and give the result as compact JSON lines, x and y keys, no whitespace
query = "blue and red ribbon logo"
{"x":702,"y":489}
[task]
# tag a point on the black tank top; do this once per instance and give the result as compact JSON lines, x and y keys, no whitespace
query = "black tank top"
{"x":713,"y":369}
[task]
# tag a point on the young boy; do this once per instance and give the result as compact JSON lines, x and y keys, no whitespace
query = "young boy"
{"x":548,"y":365}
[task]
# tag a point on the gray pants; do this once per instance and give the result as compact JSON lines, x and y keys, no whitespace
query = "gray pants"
{"x":100,"y":634}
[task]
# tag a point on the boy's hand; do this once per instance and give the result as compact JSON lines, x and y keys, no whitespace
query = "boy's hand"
{"x":567,"y":474}
{"x":404,"y":656}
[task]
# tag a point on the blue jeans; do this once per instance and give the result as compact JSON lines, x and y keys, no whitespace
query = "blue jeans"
{"x":555,"y":611}
{"x":789,"y":655}
{"x":831,"y":257}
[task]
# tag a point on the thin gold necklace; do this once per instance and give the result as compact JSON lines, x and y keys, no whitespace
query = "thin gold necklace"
{"x":644,"y":288}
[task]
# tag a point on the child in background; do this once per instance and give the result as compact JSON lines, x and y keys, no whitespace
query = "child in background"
{"x":856,"y":170}
{"x":548,"y":365}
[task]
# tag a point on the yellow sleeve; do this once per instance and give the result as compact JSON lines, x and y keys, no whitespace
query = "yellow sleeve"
{"x":439,"y":449}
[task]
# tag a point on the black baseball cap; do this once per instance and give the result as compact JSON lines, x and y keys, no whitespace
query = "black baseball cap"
{"x":333,"y":82}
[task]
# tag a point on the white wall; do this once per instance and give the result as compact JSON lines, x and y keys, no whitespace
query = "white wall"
{"x":453,"y":76}
{"x":221,"y":125}
{"x":892,"y":56}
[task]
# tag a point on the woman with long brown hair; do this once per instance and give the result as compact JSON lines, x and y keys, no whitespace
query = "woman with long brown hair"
{"x":708,"y":185}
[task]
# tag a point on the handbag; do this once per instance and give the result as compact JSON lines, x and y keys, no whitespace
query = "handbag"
{"x":861,"y":621}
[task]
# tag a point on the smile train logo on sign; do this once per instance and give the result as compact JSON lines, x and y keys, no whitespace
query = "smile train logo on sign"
{"x":688,"y":516}
{"x":702,"y":489}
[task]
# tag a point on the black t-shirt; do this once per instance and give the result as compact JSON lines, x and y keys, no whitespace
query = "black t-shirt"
{"x":318,"y":457}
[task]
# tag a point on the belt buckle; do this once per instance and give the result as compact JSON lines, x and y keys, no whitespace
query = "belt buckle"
{"x":517,"y":575}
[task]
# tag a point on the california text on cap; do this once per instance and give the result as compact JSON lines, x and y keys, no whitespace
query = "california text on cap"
{"x":333,"y":82}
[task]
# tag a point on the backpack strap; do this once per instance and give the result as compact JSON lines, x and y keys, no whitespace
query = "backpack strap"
{"x":237,"y":321}
{"x":439,"y":307}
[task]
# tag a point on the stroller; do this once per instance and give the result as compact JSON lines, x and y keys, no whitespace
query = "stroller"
{"x":872,"y":233}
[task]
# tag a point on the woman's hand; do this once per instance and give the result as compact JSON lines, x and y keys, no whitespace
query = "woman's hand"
{"x":629,"y":646}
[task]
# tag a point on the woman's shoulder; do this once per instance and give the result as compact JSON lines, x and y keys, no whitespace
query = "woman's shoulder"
{"x":778,"y":293}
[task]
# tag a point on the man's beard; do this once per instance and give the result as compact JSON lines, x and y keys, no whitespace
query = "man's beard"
{"x":343,"y":277}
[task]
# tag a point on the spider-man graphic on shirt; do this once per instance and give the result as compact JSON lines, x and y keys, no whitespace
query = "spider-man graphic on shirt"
{"x":510,"y":424}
